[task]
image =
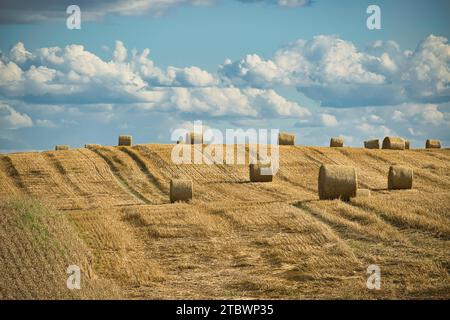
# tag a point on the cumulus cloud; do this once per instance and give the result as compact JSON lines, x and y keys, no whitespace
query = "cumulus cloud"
{"x":328,"y":120}
{"x":190,"y":77}
{"x":120,"y":52}
{"x":19,"y":54}
{"x":335,"y":72}
{"x":251,"y":70}
{"x":398,"y":92}
{"x":73,"y":75}
{"x":428,"y":72}
{"x":11,"y":119}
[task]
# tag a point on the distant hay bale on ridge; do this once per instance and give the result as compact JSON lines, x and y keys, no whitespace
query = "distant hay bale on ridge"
{"x":433,"y":144}
{"x":256,"y":174}
{"x":62,"y":147}
{"x":407,"y":145}
{"x":394,"y":143}
{"x":337,"y":182}
{"x":336,"y":142}
{"x":181,"y":190}
{"x":125,"y":141}
{"x":372,"y":144}
{"x":194,"y":138}
{"x":286,"y":139}
{"x":400,"y":177}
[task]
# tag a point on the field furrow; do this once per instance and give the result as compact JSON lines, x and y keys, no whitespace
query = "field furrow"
{"x":235,"y":239}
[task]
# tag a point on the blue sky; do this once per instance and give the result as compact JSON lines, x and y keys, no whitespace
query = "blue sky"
{"x":310,"y":68}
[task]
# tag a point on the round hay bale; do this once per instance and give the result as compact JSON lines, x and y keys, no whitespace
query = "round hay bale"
{"x":372,"y":144}
{"x":194,"y":138}
{"x":181,"y":190}
{"x":407,"y":144}
{"x":62,"y":147}
{"x":400,"y":177}
{"x":125,"y":141}
{"x":256,"y":173}
{"x":362,"y":193}
{"x":394,"y":143}
{"x":337,"y":182}
{"x":92,"y":145}
{"x":286,"y":139}
{"x":336,"y":142}
{"x":433,"y":144}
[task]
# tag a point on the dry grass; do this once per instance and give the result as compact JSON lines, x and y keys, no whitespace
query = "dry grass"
{"x":38,"y":245}
{"x":363,"y":193}
{"x":235,"y":239}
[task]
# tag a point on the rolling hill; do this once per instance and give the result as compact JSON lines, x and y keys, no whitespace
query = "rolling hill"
{"x":109,"y":209}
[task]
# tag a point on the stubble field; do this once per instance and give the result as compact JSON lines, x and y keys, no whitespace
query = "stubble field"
{"x":107,"y":210}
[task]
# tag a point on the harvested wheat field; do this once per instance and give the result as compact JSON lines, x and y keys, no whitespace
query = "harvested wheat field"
{"x":108,"y":210}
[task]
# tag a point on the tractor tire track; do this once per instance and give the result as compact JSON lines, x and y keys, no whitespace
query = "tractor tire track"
{"x":120,"y":180}
{"x":154,"y":181}
{"x":57,"y":165}
{"x":14,"y":175}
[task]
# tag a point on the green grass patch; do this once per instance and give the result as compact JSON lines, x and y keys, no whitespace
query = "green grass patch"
{"x":30,"y":216}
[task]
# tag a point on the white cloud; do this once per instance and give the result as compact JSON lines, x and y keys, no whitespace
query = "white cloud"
{"x":326,"y":69}
{"x":190,"y":77}
{"x":322,"y":60}
{"x":251,"y":70}
{"x":432,"y":115}
{"x":334,"y":71}
{"x":414,"y":133}
{"x":328,"y":120}
{"x":272,"y":104}
{"x":428,"y":73}
{"x":74,"y":81}
{"x":419,"y":114}
{"x":75,"y":75}
{"x":19,"y":54}
{"x":397,"y":115}
{"x":120,"y":52}
{"x":11,"y":119}
{"x":217,"y":102}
